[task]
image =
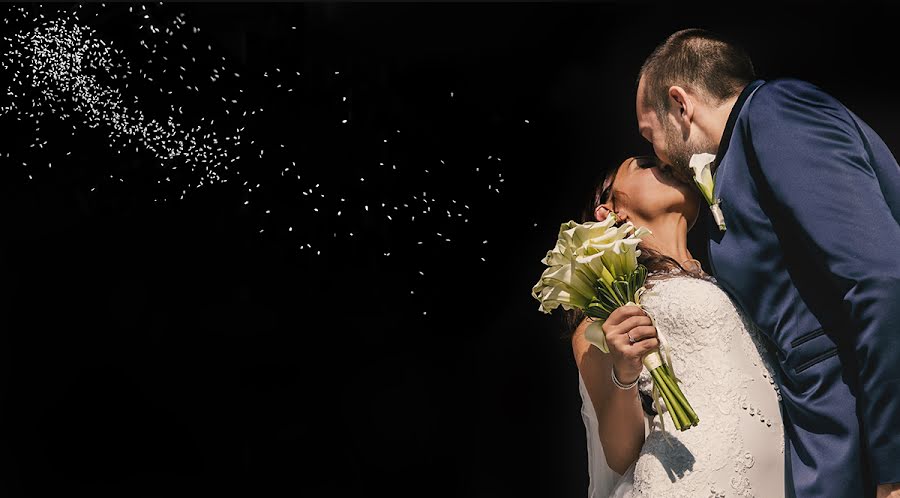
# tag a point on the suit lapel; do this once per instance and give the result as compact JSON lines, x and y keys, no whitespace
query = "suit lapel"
{"x":714,"y":235}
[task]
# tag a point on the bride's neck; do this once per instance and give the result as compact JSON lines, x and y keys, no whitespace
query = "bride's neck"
{"x":668,"y":237}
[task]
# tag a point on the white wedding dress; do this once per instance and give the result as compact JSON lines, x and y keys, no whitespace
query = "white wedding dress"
{"x":737,"y":448}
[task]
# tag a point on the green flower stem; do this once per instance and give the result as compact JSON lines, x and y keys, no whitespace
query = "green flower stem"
{"x":673,"y":404}
{"x":685,"y":407}
{"x":676,"y":389}
{"x":658,"y":382}
{"x":609,"y":293}
{"x":678,"y":416}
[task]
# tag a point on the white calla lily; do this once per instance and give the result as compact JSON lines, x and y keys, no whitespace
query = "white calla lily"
{"x":701,"y":164}
{"x":594,"y":264}
{"x":553,"y":296}
{"x":569,"y":279}
{"x":595,"y":335}
{"x":573,"y":235}
{"x":626,"y":249}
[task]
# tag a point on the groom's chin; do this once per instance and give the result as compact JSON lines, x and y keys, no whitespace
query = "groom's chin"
{"x":681,"y":172}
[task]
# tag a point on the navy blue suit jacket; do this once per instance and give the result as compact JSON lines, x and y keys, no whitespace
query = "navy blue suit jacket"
{"x":811,"y":198}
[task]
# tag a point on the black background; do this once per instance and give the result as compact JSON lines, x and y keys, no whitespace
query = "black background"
{"x":170,"y":349}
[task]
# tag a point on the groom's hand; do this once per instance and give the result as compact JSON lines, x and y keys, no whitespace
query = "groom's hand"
{"x":888,"y":490}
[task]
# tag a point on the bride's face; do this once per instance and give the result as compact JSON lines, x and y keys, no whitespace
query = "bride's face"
{"x":642,"y":189}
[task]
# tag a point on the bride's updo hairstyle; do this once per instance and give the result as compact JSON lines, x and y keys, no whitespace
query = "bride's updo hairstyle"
{"x":653,"y":260}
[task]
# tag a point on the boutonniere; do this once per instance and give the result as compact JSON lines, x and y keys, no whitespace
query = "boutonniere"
{"x":702,"y":166}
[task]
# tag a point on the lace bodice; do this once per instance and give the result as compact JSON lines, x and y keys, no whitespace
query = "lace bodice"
{"x":726,"y":374}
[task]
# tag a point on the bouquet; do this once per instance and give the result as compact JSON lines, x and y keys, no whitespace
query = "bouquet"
{"x":594,"y":268}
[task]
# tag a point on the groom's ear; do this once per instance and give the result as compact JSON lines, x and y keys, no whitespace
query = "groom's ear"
{"x":682,"y":106}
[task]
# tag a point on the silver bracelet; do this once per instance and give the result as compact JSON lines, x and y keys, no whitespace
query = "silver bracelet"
{"x":619,"y":384}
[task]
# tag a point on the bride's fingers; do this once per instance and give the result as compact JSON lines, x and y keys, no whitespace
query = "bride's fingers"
{"x":632,"y":322}
{"x":638,"y":350}
{"x":621,"y":314}
{"x":625,"y":326}
{"x":642,"y":333}
{"x":645,"y":346}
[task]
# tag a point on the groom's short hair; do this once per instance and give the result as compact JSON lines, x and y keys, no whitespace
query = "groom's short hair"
{"x":697,"y":60}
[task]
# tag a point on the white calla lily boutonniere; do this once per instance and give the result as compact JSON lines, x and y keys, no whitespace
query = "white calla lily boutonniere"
{"x":702,"y":166}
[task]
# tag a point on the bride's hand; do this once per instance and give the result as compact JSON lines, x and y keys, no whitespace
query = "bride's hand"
{"x":627,"y":357}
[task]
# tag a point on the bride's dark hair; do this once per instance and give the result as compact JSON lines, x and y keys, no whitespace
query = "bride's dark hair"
{"x":652,"y":259}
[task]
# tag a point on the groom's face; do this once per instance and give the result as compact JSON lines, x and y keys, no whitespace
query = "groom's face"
{"x":650,"y":126}
{"x":669,"y":142}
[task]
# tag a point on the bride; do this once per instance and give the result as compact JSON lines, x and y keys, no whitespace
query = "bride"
{"x":725,"y":368}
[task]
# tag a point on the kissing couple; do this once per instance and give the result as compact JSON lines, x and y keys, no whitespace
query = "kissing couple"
{"x":788,"y":344}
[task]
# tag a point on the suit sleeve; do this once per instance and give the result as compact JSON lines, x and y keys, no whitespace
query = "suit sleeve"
{"x":814,"y":159}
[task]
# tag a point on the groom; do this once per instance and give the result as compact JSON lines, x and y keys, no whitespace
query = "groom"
{"x":810,"y":197}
